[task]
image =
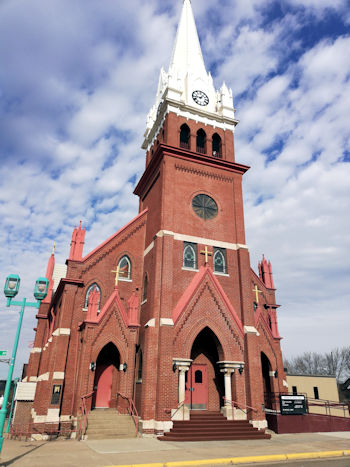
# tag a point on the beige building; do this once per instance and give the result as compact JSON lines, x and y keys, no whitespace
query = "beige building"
{"x":321,"y":391}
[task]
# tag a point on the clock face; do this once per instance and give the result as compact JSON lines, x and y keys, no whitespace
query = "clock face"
{"x":200,"y":98}
{"x":204,"y":206}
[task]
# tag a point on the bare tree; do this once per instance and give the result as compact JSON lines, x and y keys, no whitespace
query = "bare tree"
{"x":334,"y":363}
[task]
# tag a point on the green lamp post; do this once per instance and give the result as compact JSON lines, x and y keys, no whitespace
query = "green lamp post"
{"x":11,"y":290}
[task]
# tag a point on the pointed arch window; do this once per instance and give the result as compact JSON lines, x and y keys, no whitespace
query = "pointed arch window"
{"x":185,"y":136}
{"x":220,"y":260}
{"x":201,"y":141}
{"x":124,"y":268}
{"x":190,"y":255}
{"x":145,"y":288}
{"x":217,"y":146}
{"x":89,"y":290}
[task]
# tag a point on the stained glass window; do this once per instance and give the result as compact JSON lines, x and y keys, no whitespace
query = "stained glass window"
{"x":220,"y":260}
{"x":124,"y":268}
{"x":89,"y":290}
{"x":204,"y":206}
{"x":190,"y":255}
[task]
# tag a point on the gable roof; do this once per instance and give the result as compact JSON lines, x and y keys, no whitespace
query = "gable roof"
{"x":193,"y":287}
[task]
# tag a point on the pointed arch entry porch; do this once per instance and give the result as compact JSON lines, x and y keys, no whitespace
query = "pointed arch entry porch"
{"x":205,"y":379}
{"x":106,"y":381}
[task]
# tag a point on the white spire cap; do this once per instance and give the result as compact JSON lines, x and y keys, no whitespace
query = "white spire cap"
{"x":187,"y":88}
{"x":187,"y":54}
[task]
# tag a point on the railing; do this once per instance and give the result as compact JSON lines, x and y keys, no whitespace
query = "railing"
{"x":84,"y":414}
{"x":238,"y":404}
{"x":132,"y":411}
{"x":329,"y":405}
{"x":181,"y":404}
{"x":201,"y":150}
{"x":272,"y":402}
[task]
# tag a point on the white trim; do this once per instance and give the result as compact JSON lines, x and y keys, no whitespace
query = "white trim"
{"x":144,"y":301}
{"x":61,"y":332}
{"x":285,"y":384}
{"x":58,"y":375}
{"x":223,"y":274}
{"x":259,"y":424}
{"x":151,"y":323}
{"x":251,"y":330}
{"x":148,"y":249}
{"x":32,"y":379}
{"x":36,"y":350}
{"x":202,"y":241}
{"x":189,"y":269}
{"x":66,"y":418}
{"x":124,"y":279}
{"x":166,"y":322}
{"x":44,"y":377}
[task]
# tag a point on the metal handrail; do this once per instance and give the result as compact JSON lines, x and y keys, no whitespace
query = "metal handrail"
{"x":311,"y":402}
{"x":181,"y":404}
{"x":132,"y":410}
{"x":84,"y":412}
{"x":239,"y":405}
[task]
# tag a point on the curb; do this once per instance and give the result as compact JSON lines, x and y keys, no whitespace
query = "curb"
{"x":245,"y":460}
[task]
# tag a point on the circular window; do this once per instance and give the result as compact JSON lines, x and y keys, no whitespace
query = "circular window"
{"x":204,"y":206}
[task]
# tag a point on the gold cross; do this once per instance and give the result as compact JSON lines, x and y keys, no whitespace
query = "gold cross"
{"x":206,"y":253}
{"x":116,"y":275}
{"x":257,"y":291}
{"x":54,"y":248}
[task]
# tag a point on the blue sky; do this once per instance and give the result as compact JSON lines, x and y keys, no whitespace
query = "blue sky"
{"x":77,"y":79}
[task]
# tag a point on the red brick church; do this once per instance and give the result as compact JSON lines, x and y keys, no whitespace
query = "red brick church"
{"x":167,"y":314}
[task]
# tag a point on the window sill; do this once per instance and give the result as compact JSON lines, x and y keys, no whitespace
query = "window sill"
{"x":123,"y":279}
{"x":190,"y":269}
{"x":143,"y":302}
{"x":221,"y":274}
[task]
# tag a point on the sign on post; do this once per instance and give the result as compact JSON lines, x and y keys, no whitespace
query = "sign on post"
{"x":293,"y":405}
{"x":3,"y":353}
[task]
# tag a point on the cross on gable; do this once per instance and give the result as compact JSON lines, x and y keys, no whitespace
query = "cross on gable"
{"x":207,"y":253}
{"x":257,"y":291}
{"x":116,"y":275}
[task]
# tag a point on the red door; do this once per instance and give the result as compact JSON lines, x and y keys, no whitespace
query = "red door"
{"x":103,"y":386}
{"x":196,"y":395}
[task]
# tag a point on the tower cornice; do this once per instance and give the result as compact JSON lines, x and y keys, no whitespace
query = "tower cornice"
{"x":189,"y":112}
{"x":164,"y":150}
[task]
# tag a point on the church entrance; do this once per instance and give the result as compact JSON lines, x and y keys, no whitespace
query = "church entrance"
{"x":204,"y":389}
{"x":106,"y":376}
{"x":266,"y":374}
{"x":196,"y":395}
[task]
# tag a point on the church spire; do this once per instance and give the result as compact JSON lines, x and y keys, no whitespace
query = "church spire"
{"x":187,"y":89}
{"x":187,"y":54}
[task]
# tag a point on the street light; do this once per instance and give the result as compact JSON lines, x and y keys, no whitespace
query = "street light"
{"x":11,"y":290}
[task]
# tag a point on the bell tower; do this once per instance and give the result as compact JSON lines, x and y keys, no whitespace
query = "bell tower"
{"x":192,"y":189}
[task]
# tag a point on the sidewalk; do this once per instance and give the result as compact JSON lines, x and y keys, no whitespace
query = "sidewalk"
{"x":101,"y":453}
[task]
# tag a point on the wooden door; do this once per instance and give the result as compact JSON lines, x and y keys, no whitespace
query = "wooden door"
{"x":103,"y":386}
{"x":196,"y":395}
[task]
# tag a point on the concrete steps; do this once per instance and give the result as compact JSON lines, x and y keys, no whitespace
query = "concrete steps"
{"x":108,"y":424}
{"x":212,"y":426}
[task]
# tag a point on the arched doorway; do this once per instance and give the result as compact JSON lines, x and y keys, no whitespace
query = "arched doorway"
{"x":106,"y":376}
{"x":266,"y":374}
{"x":204,"y":388}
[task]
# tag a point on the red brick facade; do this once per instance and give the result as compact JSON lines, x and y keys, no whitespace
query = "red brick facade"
{"x":152,"y":334}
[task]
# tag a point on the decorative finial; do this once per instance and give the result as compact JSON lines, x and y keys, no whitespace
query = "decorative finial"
{"x":54,"y":248}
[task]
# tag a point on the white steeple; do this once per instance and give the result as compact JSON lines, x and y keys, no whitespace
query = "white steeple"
{"x":187,"y":54}
{"x":187,"y":88}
